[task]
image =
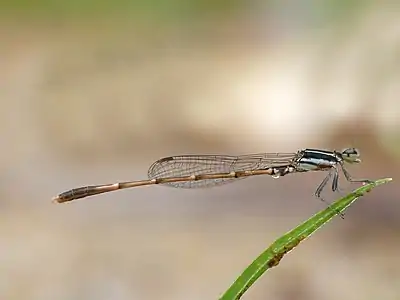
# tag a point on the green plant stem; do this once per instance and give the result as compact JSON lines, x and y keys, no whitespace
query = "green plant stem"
{"x":272,"y":256}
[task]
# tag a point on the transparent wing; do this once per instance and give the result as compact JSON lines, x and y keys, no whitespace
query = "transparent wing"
{"x":187,"y":165}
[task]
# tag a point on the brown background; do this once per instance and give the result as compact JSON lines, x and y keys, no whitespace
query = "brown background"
{"x":95,"y":96}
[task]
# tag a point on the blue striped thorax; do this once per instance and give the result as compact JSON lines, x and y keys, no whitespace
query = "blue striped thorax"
{"x":316,"y":159}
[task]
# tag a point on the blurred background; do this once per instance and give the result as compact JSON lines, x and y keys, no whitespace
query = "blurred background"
{"x":94,"y":91}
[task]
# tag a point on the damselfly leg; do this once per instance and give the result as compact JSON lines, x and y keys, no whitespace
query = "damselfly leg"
{"x":332,"y":173}
{"x":351,"y":179}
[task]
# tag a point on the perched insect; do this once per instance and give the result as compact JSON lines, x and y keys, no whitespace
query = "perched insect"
{"x":197,"y":171}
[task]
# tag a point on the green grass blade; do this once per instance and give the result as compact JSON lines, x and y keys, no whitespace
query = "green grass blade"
{"x":272,"y":256}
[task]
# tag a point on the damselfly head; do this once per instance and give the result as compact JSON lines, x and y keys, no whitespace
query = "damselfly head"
{"x":351,"y":155}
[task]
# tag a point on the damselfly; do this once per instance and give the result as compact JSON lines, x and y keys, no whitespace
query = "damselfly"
{"x":197,"y":171}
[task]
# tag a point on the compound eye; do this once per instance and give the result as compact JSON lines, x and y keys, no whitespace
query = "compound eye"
{"x":351,"y":155}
